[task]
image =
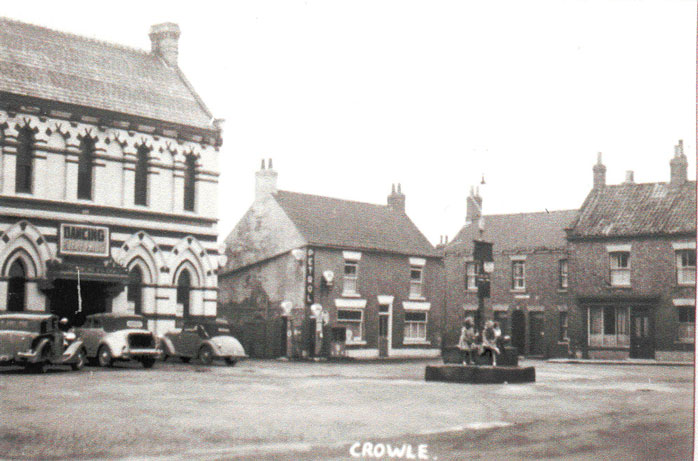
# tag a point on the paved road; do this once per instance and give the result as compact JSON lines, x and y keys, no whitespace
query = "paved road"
{"x":291,"y":410}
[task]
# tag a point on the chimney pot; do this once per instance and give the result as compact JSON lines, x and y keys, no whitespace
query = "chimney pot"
{"x":473,"y":211}
{"x":599,"y":173}
{"x":629,"y":177}
{"x":164,"y":41}
{"x":265,"y":181}
{"x":396,"y":200}
{"x":270,"y":165}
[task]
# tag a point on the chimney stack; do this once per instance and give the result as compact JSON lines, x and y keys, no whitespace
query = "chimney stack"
{"x":599,"y":173}
{"x":164,"y":40}
{"x":629,"y":177}
{"x":473,"y":211}
{"x":265,"y":181}
{"x":396,"y":199}
{"x":679,"y":166}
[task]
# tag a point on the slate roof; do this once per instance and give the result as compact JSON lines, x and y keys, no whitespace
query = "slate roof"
{"x":637,"y":209}
{"x":47,"y":64}
{"x":332,"y":222}
{"x":517,"y":232}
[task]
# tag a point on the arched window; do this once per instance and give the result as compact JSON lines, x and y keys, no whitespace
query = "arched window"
{"x":17,"y":287}
{"x":134,"y":293}
{"x":190,"y":183}
{"x":183,"y":291}
{"x":140,"y":196}
{"x":25,"y":159}
{"x":85,"y":163}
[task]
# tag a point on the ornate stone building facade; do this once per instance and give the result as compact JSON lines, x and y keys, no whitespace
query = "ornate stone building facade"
{"x":108,"y":179}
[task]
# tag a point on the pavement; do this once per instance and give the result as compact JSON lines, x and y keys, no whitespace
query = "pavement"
{"x":267,"y":409}
{"x":647,"y":362}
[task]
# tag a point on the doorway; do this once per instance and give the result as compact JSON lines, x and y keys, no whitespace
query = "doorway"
{"x":518,"y":331}
{"x":641,"y":335}
{"x":63,"y":299}
{"x":536,"y":331}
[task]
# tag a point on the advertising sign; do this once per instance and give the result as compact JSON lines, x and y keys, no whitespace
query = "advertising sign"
{"x":83,"y":240}
{"x":309,"y":276}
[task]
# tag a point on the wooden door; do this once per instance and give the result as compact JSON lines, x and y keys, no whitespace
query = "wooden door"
{"x":641,"y":334}
{"x":536,"y":333}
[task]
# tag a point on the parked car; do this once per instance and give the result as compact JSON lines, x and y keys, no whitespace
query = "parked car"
{"x":35,"y":341}
{"x":111,"y":337}
{"x":203,"y":339}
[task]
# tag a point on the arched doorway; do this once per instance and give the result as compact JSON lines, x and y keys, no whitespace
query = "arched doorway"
{"x":134,"y":293}
{"x":184,"y":291}
{"x":17,"y":287}
{"x":518,"y":331}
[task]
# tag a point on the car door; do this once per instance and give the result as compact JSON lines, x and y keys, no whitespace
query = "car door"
{"x":89,"y":334}
{"x":189,"y":340}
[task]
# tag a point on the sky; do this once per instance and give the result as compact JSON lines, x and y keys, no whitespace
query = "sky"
{"x":349,"y":97}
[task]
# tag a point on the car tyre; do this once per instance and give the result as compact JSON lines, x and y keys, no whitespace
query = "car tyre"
{"x":104,"y":357}
{"x":79,"y":361}
{"x":230,"y":361}
{"x":148,"y":362}
{"x":206,"y":355}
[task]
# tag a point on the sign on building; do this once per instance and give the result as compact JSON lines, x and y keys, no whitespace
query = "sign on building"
{"x":82,"y":240}
{"x":309,"y":276}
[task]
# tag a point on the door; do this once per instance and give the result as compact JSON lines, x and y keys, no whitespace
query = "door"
{"x":518,"y":331}
{"x":383,"y":335}
{"x":641,"y":334}
{"x":536,"y":333}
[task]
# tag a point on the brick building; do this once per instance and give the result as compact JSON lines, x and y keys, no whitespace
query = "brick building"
{"x":108,"y":174}
{"x":632,"y":267}
{"x":367,"y":267}
{"x":529,"y":288}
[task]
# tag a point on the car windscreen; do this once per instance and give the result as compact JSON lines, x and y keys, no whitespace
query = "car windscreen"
{"x":20,"y":325}
{"x":123,"y":323}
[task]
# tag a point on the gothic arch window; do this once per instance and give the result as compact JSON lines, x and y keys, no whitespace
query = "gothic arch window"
{"x":140,"y":196}
{"x":25,"y":159}
{"x":85,"y":164}
{"x":134,"y":293}
{"x":190,"y":183}
{"x":17,"y":287}
{"x":184,"y":291}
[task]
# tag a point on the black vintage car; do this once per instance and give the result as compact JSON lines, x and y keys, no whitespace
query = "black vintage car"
{"x":35,"y":341}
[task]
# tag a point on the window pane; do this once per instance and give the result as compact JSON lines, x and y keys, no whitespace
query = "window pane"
{"x":415,"y":316}
{"x":349,"y":315}
{"x":349,"y":268}
{"x":596,"y":321}
{"x":609,"y":321}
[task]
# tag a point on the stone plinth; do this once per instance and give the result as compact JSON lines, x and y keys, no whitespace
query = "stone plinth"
{"x":480,"y":374}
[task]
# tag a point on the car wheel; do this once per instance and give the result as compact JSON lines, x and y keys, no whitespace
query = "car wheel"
{"x":231,"y":361}
{"x":206,"y":355}
{"x":148,"y":362}
{"x":79,"y":360}
{"x":104,"y":357}
{"x":185,"y":359}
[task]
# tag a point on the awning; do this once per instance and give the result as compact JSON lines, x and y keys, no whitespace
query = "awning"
{"x":91,"y":270}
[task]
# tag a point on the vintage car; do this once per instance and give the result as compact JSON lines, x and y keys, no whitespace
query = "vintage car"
{"x":115,"y":337}
{"x":35,"y":341}
{"x":203,"y":339}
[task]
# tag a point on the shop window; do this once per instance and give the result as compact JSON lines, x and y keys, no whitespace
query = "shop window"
{"x":85,"y":167}
{"x":352,"y":320}
{"x":25,"y":160}
{"x":686,"y":267}
{"x":609,"y":327}
{"x":140,"y":193}
{"x":190,"y":183}
{"x":415,"y":326}
{"x":564,"y":327}
{"x":687,"y":324}
{"x":183,"y":292}
{"x":471,"y":272}
{"x":518,"y":275}
{"x":351,"y":272}
{"x":134,"y":293}
{"x":17,"y":287}
{"x":415,"y":282}
{"x":563,"y":266}
{"x":620,"y":268}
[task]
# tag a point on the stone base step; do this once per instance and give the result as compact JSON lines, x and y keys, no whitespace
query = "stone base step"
{"x":480,"y":374}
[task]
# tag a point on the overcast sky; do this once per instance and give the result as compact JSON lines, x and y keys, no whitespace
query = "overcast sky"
{"x":348,"y":97}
